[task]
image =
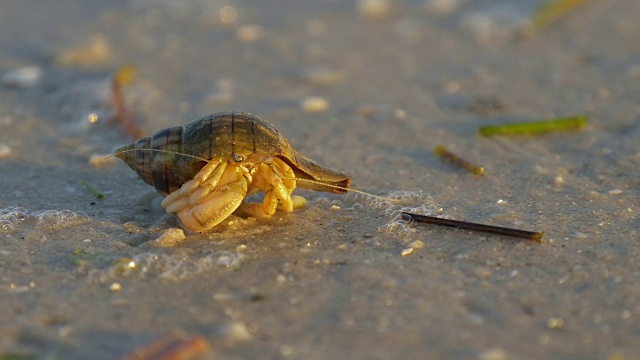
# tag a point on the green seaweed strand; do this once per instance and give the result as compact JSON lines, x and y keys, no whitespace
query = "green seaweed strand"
{"x":92,"y":190}
{"x":536,"y":127}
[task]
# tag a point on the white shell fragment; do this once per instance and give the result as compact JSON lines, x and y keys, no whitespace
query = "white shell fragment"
{"x":22,"y":78}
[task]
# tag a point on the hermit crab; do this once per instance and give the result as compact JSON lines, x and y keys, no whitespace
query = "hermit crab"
{"x":206,"y":168}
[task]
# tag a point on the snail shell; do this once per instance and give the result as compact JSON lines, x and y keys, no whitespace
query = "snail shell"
{"x":173,"y":156}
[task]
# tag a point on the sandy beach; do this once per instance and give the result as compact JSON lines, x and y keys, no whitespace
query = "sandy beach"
{"x":366,"y":87}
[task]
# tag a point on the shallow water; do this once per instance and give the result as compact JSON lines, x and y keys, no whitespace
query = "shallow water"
{"x":343,"y":277}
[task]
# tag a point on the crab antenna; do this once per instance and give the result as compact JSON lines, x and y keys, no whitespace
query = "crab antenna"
{"x":343,"y":188}
{"x":161,"y":151}
{"x":289,"y":178}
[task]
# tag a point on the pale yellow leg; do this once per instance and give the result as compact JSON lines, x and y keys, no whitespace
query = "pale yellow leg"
{"x":212,"y":209}
{"x":205,"y":201}
{"x":277,"y":181}
{"x":286,"y":173}
{"x":209,"y":185}
{"x":203,"y":175}
{"x":294,"y":202}
{"x":266,"y":209}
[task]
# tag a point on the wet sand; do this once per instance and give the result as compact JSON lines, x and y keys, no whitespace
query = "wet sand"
{"x":81,"y":278}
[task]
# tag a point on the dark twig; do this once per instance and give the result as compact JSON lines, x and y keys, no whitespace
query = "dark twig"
{"x":531,"y":235}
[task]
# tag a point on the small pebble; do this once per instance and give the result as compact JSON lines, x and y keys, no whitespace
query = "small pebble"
{"x":286,"y":350}
{"x":367,"y":111}
{"x":615,"y":192}
{"x":452,"y":87}
{"x":22,"y":78}
{"x":418,"y":244}
{"x":314,"y":104}
{"x":170,"y":238}
{"x":555,"y":323}
{"x":335,"y":207}
{"x":100,"y":160}
{"x":249,"y":33}
{"x":5,"y":150}
{"x":374,"y":9}
{"x":407,"y":251}
{"x":617,"y":356}
{"x":228,"y":14}
{"x":559,"y":180}
{"x":400,"y":114}
{"x":442,"y":7}
{"x":322,"y":76}
{"x":236,"y":332}
{"x":494,"y":354}
{"x":132,"y":227}
{"x":579,"y":235}
{"x":115,"y":287}
{"x":625,"y":314}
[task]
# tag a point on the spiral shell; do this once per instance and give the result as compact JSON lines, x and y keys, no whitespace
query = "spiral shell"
{"x":173,"y":156}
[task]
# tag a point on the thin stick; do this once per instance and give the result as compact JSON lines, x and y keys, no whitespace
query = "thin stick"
{"x":535,"y":127}
{"x":531,"y":235}
{"x":123,"y":114}
{"x":445,"y":154}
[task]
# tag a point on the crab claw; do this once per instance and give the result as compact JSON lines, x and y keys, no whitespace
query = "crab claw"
{"x":214,"y":194}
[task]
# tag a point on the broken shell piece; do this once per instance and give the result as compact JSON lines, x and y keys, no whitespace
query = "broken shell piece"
{"x":22,"y":78}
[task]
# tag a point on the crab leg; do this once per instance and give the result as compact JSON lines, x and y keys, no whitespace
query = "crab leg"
{"x":286,"y":173}
{"x":215,"y":207}
{"x":269,"y":179}
{"x":214,"y":193}
{"x":176,"y":200}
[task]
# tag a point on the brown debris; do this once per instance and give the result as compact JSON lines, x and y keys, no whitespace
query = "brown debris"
{"x":176,"y":345}
{"x":124,"y":116}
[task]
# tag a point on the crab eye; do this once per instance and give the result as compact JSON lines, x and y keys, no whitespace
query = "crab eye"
{"x":238,"y":157}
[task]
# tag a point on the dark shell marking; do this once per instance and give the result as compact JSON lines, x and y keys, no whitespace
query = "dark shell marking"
{"x":163,"y":159}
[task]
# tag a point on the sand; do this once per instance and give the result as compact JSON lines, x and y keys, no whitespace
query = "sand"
{"x":82,"y":277}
